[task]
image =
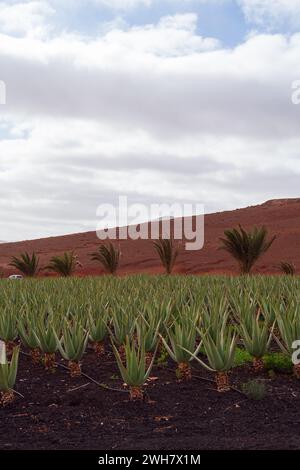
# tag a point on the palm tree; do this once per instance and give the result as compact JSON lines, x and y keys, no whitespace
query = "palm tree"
{"x":287,"y":268}
{"x":246,"y":247}
{"x":26,"y":264}
{"x":108,"y":256}
{"x":167,"y":253}
{"x":64,"y":265}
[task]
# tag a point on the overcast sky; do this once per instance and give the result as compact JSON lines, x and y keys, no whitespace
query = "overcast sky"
{"x":160,"y":100}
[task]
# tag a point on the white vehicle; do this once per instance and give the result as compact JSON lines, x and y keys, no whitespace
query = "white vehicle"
{"x":16,"y":277}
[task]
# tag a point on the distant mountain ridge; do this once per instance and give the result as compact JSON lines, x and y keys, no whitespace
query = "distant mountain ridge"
{"x":280,"y":216}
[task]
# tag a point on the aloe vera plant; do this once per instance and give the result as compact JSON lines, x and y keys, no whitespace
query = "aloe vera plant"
{"x":8,"y":374}
{"x":72,"y":345}
{"x":134,"y":371}
{"x":215,"y":309}
{"x":181,"y":340}
{"x":289,"y":329}
{"x":8,"y":327}
{"x":45,"y":334}
{"x":219,"y":348}
{"x":26,"y":328}
{"x":254,"y":331}
{"x":147,"y":330}
{"x":268,"y":305}
{"x":256,"y":339}
{"x":123,"y":325}
{"x":97,"y":326}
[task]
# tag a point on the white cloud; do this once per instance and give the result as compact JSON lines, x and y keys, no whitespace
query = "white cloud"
{"x":272,"y":12}
{"x":25,"y":18}
{"x":123,"y":4}
{"x":156,"y":112}
{"x":172,"y":36}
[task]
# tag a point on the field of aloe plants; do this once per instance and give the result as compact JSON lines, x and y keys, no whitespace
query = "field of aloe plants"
{"x":145,"y":355}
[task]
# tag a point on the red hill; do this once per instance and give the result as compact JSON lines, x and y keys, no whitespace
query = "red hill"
{"x":281,"y":217}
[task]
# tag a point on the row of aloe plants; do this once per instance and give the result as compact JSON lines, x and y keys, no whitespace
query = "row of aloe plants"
{"x":191,"y":318}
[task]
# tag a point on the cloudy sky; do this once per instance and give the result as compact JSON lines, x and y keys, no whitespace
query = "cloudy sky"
{"x":160,"y":100}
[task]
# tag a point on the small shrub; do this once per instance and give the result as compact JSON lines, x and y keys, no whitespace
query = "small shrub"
{"x":287,"y":268}
{"x":254,"y":389}
{"x":241,"y":357}
{"x":278,"y":362}
{"x":271,"y":374}
{"x":163,"y":357}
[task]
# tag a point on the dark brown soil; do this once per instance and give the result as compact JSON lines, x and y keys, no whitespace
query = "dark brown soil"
{"x":56,"y":414}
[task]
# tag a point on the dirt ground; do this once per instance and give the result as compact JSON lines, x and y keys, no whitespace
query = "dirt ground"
{"x":59,"y":412}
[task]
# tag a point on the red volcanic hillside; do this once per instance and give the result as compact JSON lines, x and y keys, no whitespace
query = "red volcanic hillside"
{"x":281,"y":217}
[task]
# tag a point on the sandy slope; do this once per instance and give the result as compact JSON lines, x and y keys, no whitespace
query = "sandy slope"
{"x":281,"y":217}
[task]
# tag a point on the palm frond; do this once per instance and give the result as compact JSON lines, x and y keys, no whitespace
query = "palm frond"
{"x":108,"y":256}
{"x":27,"y":264}
{"x":64,"y":265}
{"x":287,"y":268}
{"x":246,"y":247}
{"x":167,"y":253}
